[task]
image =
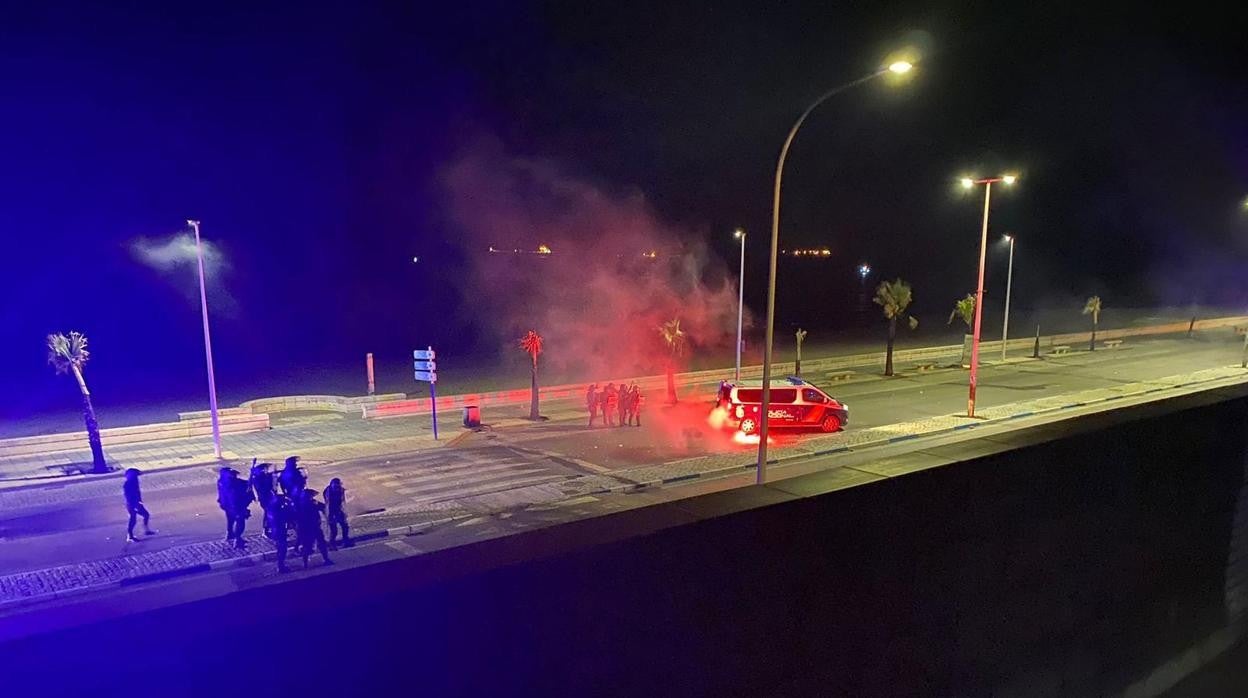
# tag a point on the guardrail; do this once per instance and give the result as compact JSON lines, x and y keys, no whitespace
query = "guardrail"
{"x":77,"y":441}
{"x":292,"y":403}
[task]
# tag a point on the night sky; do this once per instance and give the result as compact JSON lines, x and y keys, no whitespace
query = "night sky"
{"x":314,"y":145}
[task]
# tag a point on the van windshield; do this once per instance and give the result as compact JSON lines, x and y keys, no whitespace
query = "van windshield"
{"x":778,"y":395}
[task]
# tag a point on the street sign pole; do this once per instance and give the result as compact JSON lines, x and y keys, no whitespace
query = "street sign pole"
{"x":426,"y":370}
{"x":433,"y":404}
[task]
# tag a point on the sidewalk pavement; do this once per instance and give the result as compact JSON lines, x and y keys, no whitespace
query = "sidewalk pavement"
{"x":38,"y":585}
{"x":334,"y":438}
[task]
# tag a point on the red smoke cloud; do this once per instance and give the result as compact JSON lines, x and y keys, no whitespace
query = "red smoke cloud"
{"x":598,"y":297}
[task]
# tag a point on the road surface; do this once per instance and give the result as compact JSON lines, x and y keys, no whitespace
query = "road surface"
{"x":83,"y":521}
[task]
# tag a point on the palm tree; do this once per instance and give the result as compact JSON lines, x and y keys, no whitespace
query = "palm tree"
{"x":797,"y":365}
{"x":531,"y":343}
{"x":674,"y":339}
{"x":964,"y":309}
{"x":1093,"y":308}
{"x":894,"y":297}
{"x":68,"y":354}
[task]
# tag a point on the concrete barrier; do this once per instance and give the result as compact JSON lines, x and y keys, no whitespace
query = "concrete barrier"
{"x":327,"y":403}
{"x":77,"y":441}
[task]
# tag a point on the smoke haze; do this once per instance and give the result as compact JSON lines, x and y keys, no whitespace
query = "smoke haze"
{"x":614,"y":274}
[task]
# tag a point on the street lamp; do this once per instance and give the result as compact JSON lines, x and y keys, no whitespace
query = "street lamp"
{"x":739,"y":234}
{"x":900,"y":67}
{"x":203,"y":306}
{"x":1009,"y":279}
{"x":967,"y":183}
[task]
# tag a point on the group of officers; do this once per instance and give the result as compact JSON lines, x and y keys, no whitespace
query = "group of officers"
{"x":619,"y":406}
{"x":288,"y":504}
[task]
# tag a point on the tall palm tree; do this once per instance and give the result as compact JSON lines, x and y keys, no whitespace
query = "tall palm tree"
{"x":797,"y":365}
{"x":531,"y":343}
{"x":68,"y":354}
{"x":1093,"y":308}
{"x":894,"y":297}
{"x":674,"y":339}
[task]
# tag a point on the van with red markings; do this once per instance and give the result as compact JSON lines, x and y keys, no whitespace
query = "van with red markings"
{"x":795,"y":403}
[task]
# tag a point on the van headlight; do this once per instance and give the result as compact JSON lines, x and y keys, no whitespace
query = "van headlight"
{"x":740,"y":411}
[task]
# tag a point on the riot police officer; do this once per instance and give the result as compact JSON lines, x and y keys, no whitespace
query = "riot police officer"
{"x":335,"y":510}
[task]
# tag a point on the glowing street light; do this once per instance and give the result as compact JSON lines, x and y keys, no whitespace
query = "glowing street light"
{"x":967,"y":183}
{"x":864,"y":270}
{"x":897,"y":67}
{"x":739,"y":234}
{"x":212,"y":381}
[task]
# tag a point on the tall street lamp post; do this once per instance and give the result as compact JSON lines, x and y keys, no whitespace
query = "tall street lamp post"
{"x":203,"y":306}
{"x":967,"y":183}
{"x":740,"y":235}
{"x":898,"y":68}
{"x":1009,"y":280}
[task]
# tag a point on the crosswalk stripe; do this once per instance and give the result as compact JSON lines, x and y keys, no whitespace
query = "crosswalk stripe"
{"x":407,"y":470}
{"x":484,"y":489}
{"x":419,"y":473}
{"x":455,"y":480}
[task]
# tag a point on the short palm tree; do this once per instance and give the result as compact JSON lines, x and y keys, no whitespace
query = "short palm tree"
{"x":68,"y":354}
{"x":894,"y":297}
{"x":965,"y":310}
{"x":674,"y":339}
{"x":797,"y":365}
{"x":531,"y":343}
{"x":1093,"y":308}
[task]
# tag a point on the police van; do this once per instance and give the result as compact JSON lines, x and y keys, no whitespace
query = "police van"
{"x":795,"y":403}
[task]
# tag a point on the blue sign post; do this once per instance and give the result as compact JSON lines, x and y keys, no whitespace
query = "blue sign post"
{"x":427,"y":370}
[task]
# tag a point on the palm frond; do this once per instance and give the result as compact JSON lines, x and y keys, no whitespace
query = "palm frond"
{"x":67,"y":351}
{"x":673,"y":336}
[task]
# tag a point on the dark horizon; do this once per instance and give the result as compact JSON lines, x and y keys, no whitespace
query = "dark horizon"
{"x":315,"y":146}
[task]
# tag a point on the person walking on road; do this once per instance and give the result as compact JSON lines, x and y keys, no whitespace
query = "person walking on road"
{"x":279,"y":516}
{"x":227,"y":499}
{"x":636,"y":399}
{"x":262,"y":484}
{"x":134,"y":505}
{"x":335,"y":510}
{"x":610,"y":401}
{"x":626,"y":405}
{"x":308,"y":522}
{"x":591,"y":402}
{"x":292,"y":479}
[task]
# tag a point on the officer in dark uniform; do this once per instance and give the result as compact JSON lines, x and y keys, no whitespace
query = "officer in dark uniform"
{"x":292,"y":480}
{"x":591,"y":402}
{"x":226,"y":500}
{"x":262,"y":485}
{"x":242,"y":499}
{"x":308,"y":513}
{"x":134,"y":505}
{"x":335,"y":510}
{"x":278,"y":517}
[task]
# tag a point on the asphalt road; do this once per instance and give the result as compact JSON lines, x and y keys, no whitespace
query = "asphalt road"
{"x":84,"y":521}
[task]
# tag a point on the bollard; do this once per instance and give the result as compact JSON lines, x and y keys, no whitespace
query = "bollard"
{"x":368,"y":361}
{"x":1035,"y":349}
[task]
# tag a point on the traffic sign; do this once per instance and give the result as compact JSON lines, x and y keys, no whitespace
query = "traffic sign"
{"x":426,"y":365}
{"x":424,"y":354}
{"x":430,"y":376}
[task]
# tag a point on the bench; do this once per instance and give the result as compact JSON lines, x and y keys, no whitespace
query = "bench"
{"x":1112,"y":343}
{"x":839,"y":376}
{"x":1060,"y":349}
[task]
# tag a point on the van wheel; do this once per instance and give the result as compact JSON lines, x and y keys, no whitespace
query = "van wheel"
{"x":831,"y":423}
{"x":748,"y":426}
